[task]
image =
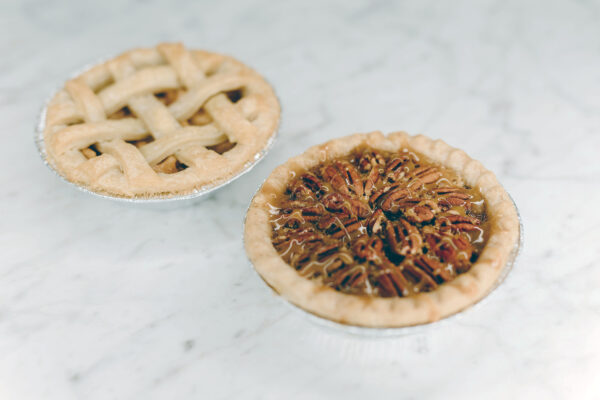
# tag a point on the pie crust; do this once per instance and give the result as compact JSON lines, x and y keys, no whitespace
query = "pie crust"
{"x":369,"y":311}
{"x":159,"y":122}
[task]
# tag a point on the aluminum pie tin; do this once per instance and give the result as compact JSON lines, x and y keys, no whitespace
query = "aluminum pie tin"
{"x":167,"y":200}
{"x":355,"y":330}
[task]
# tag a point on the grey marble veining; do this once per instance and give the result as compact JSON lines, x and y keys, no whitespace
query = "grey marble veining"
{"x":101,"y":300}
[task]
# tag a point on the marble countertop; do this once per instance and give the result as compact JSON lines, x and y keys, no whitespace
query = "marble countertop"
{"x":101,"y":300}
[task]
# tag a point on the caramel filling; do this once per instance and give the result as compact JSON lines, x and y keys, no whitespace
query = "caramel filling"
{"x":379,"y":224}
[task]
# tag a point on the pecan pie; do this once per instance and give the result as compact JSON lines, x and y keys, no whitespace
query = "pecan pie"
{"x":159,"y":122}
{"x":381,"y":231}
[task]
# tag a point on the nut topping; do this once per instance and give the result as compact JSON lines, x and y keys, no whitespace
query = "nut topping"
{"x":375,"y":223}
{"x":424,"y":175}
{"x":371,"y":160}
{"x":340,"y":203}
{"x":450,"y":197}
{"x":371,"y":181}
{"x":391,"y":199}
{"x":308,"y":186}
{"x":393,"y":283}
{"x":394,"y":170}
{"x":369,"y":249}
{"x":379,"y":224}
{"x":435,"y":269}
{"x":457,"y":222}
{"x":343,"y":177}
{"x":404,"y":239}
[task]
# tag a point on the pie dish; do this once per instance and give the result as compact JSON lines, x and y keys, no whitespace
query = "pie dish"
{"x":381,"y":231}
{"x":159,"y":122}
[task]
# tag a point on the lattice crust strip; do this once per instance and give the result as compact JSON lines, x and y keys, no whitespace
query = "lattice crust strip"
{"x":126,"y":151}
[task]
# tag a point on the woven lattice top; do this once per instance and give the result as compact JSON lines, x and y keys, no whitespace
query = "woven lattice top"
{"x":159,"y":121}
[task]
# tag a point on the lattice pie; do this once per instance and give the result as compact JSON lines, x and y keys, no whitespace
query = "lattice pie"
{"x":381,"y":231}
{"x":159,"y":122}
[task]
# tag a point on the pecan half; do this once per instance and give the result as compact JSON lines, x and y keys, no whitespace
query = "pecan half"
{"x":390,"y":199}
{"x":333,"y":176}
{"x":461,"y":257}
{"x":296,"y":246}
{"x":403,"y":238}
{"x":419,"y":214}
{"x":375,"y":197}
{"x":351,"y":177}
{"x":393,"y":283}
{"x":370,"y":160}
{"x":369,"y":249}
{"x":371,"y":181}
{"x":418,"y":211}
{"x":349,"y":278}
{"x":300,"y":236}
{"x":435,"y":269}
{"x":395,"y":170}
{"x":299,"y":191}
{"x":343,"y":177}
{"x":307,"y":187}
{"x":323,"y":252}
{"x":450,"y":197}
{"x":424,"y":175}
{"x":340,"y":203}
{"x":375,"y":223}
{"x":312,"y":213}
{"x":300,"y":211}
{"x":293,"y":219}
{"x":423,"y":282}
{"x":457,"y":222}
{"x":454,"y":249}
{"x":336,"y":202}
{"x":326,"y":261}
{"x":338,"y":226}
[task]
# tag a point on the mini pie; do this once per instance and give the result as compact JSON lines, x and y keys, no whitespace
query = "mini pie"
{"x":379,"y":231}
{"x":159,"y":122}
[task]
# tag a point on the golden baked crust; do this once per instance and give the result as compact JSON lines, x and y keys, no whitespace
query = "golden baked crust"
{"x":326,"y":302}
{"x":107,"y":131}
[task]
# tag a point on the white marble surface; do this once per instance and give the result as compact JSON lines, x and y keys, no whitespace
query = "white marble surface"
{"x":99,"y":300}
